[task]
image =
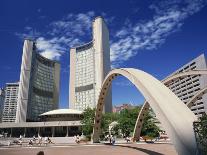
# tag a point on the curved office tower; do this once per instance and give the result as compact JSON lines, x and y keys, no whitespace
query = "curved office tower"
{"x":38,"y":86}
{"x":89,"y":64}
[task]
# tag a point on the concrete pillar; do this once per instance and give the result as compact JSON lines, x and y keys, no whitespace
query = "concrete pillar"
{"x":11,"y":133}
{"x":53,"y":131}
{"x":38,"y":131}
{"x":66,"y":131}
{"x":25,"y":130}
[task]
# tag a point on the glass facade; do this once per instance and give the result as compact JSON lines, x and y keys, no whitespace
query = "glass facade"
{"x":39,"y":84}
{"x":41,"y":96}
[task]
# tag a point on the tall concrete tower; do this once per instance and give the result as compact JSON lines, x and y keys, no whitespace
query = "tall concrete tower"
{"x":89,"y":64}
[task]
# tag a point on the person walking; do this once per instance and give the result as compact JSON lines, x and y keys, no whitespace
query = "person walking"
{"x":30,"y":142}
{"x":113,"y":140}
{"x":34,"y":139}
{"x":46,"y":141}
{"x":127,"y":139}
{"x":39,"y":140}
{"x":110,"y":139}
{"x":77,"y":139}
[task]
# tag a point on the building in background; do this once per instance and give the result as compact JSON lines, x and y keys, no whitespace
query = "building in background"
{"x":186,"y":88}
{"x":38,"y":86}
{"x":119,"y":108}
{"x":10,"y":102}
{"x":89,"y":64}
{"x":2,"y":96}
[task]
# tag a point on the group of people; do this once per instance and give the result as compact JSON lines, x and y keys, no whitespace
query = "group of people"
{"x":77,"y":139}
{"x":40,"y":141}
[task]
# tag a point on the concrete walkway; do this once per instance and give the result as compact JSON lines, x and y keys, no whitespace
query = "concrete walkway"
{"x":100,"y":149}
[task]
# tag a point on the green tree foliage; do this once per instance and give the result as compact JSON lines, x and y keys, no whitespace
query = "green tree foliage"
{"x":107,"y":119}
{"x":200,"y":129}
{"x":149,"y":127}
{"x":126,"y":121}
{"x":88,"y":121}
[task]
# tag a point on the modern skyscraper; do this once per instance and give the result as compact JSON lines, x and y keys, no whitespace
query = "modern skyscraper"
{"x":186,"y":88}
{"x":89,"y":64}
{"x":2,"y":96}
{"x":10,"y":102}
{"x":38,"y":86}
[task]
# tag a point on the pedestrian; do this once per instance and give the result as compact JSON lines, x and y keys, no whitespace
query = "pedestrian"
{"x":110,"y":139}
{"x":34,"y":139}
{"x":49,"y":141}
{"x":127,"y":139}
{"x":20,"y":137}
{"x":39,"y":140}
{"x":8,"y":143}
{"x":113,"y":140}
{"x":20,"y":140}
{"x":46,"y":140}
{"x":77,"y":139}
{"x":30,"y":142}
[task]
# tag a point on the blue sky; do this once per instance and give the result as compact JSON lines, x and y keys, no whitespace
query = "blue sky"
{"x":155,"y":36}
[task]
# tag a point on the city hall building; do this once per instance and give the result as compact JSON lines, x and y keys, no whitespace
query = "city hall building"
{"x":38,"y":85}
{"x":89,"y":64}
{"x":186,"y":88}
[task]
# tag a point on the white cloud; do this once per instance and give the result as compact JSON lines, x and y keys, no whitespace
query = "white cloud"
{"x":62,"y":34}
{"x":50,"y":49}
{"x":73,"y":24}
{"x":54,"y":55}
{"x":169,"y":17}
{"x":75,"y":29}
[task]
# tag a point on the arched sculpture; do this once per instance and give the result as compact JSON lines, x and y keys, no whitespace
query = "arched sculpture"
{"x":146,"y":106}
{"x":176,"y":118}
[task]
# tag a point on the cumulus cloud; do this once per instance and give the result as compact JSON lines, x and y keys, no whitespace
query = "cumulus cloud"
{"x":73,"y":25}
{"x":148,"y":35}
{"x":50,"y":49}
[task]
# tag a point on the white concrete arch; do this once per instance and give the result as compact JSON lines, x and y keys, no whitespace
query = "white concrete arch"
{"x":146,"y":106}
{"x":166,"y":105}
{"x":184,"y":74}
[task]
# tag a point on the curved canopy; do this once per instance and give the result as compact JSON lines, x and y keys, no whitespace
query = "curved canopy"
{"x":62,"y":112}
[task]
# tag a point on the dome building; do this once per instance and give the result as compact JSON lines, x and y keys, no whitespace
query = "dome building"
{"x":62,"y":115}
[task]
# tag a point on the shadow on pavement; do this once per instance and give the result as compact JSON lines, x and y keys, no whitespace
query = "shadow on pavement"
{"x":40,"y":153}
{"x":141,"y":149}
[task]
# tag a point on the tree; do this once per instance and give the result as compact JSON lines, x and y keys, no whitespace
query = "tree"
{"x":127,"y":120}
{"x":149,"y":127}
{"x":88,"y":121}
{"x":200,"y":129}
{"x":107,"y":119}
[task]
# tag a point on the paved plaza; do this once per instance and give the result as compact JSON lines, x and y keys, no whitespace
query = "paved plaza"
{"x":99,"y":149}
